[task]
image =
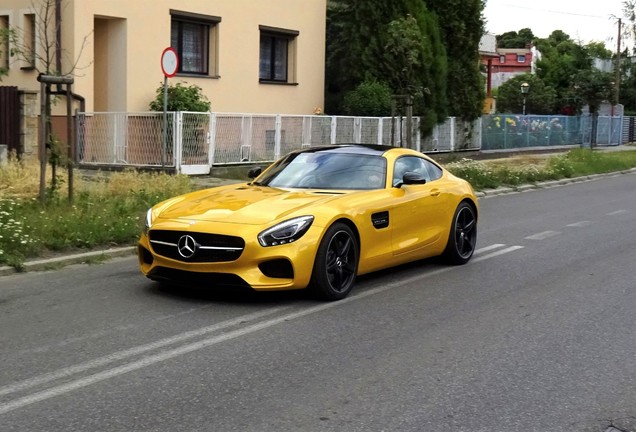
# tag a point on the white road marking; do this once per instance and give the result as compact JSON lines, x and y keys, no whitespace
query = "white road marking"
{"x":121,"y":355}
{"x":488,"y":248}
{"x":543,"y":235}
{"x":500,"y":252}
{"x":580,"y":224}
{"x":195,"y":346}
{"x":617,"y":212}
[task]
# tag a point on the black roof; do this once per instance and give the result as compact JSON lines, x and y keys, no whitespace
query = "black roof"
{"x":370,"y":149}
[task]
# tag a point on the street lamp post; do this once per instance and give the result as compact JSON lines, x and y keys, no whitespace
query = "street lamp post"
{"x":525,"y":88}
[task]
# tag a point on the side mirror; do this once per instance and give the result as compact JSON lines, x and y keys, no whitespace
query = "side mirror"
{"x":254,"y":172}
{"x":412,"y":178}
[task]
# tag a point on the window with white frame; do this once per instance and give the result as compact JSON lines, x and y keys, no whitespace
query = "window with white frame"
{"x":521,"y":58}
{"x":194,"y":37}
{"x":277,"y":59}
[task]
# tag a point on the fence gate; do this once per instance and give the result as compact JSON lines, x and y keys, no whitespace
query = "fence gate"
{"x":10,"y":118}
{"x":194,"y":141}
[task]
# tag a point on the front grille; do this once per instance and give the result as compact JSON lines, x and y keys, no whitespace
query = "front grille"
{"x":197,"y":247}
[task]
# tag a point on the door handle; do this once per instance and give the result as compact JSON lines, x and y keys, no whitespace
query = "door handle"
{"x":435,"y":192}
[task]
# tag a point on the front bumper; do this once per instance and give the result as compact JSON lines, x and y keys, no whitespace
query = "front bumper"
{"x":282,"y":267}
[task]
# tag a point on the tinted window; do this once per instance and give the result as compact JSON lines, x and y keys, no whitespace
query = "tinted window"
{"x":327,"y":170}
{"x":415,"y":164}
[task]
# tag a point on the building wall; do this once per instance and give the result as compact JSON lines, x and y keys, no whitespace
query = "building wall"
{"x":509,"y":61}
{"x":117,"y":46}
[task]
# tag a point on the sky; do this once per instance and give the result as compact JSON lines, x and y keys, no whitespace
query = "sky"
{"x":584,"y":20}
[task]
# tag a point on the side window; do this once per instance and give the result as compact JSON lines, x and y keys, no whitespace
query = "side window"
{"x":277,"y":56}
{"x":409,"y":164}
{"x":194,"y":37}
{"x":434,"y":171}
{"x":421,"y":166}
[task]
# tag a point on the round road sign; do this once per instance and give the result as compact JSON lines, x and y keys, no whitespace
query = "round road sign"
{"x":169,"y":62}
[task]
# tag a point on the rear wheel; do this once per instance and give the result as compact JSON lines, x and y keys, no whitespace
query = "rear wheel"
{"x":336,"y":263}
{"x":463,"y":235}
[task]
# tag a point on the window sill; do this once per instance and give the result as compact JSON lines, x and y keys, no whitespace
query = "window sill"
{"x":278,"y":83}
{"x":190,"y":75}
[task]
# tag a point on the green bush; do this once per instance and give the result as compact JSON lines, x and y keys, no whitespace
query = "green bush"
{"x":369,"y":99}
{"x":181,"y":98}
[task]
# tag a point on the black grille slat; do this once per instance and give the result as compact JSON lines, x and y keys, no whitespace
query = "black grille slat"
{"x":164,"y":243}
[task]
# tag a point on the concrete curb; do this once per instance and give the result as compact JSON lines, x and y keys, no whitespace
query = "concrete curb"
{"x":548,"y":184}
{"x":79,"y":258}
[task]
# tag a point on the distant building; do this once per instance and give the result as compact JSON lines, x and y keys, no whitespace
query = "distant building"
{"x":487,"y":55}
{"x":512,"y":62}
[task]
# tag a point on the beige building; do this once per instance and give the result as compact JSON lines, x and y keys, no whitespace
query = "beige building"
{"x":248,"y":56}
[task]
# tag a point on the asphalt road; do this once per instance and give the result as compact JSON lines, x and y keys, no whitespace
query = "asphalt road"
{"x":536,"y":333}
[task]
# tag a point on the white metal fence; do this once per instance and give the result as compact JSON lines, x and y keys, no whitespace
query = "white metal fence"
{"x":192,"y":143}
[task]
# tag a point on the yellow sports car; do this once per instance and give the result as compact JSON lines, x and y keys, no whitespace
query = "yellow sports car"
{"x":316,"y":218}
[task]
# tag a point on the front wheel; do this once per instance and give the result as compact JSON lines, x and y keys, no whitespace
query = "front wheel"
{"x":336,"y":263}
{"x":463,"y":235}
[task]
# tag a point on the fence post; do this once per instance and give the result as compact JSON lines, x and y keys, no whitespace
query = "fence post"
{"x":452,"y":133}
{"x":480,"y":125}
{"x":380,"y":131}
{"x":211,"y":138}
{"x":418,"y":135}
{"x":277,"y":136}
{"x":334,"y":126}
{"x":357,"y":130}
{"x":177,"y":140}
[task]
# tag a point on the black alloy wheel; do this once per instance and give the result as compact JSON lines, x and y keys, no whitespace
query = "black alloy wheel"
{"x":463,"y":235}
{"x":336,"y":264}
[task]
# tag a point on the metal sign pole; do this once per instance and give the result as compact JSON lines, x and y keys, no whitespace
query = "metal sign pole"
{"x":165,"y":121}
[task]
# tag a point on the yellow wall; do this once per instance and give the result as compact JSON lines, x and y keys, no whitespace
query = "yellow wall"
{"x":119,"y":45}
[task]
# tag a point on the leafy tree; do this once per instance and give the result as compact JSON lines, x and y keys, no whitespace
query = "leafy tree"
{"x":46,"y":58}
{"x":513,"y":39}
{"x":462,"y":27}
{"x":599,"y":50}
{"x":181,"y":98}
{"x":594,"y":87}
{"x":561,"y":60}
{"x":540,"y":99}
{"x":363,"y":45}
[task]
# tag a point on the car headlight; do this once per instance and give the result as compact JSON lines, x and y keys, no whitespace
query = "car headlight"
{"x":148,"y":220}
{"x":285,"y":232}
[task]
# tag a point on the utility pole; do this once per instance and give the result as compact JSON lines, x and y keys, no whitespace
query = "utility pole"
{"x":618,"y":61}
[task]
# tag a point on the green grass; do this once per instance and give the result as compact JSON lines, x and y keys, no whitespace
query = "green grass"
{"x":109,"y":211}
{"x":517,"y":171}
{"x":104,"y":213}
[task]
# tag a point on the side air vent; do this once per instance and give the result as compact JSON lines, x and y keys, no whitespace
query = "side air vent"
{"x":380,"y":219}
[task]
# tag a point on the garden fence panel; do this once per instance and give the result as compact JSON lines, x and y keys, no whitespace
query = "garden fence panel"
{"x":505,"y":132}
{"x":125,"y":139}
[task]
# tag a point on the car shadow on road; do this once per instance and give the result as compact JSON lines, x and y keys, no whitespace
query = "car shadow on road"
{"x":200,"y":293}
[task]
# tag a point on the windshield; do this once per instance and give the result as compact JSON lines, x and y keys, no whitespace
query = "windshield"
{"x":327,"y":170}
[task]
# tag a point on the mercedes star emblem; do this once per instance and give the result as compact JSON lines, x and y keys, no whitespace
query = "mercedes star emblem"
{"x":187,"y":246}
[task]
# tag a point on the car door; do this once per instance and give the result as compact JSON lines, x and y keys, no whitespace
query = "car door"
{"x":419,"y":212}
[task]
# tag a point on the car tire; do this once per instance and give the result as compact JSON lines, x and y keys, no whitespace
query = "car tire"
{"x":463,"y":235}
{"x":336,"y":263}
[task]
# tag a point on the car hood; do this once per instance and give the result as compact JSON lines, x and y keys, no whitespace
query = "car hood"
{"x":244,"y":204}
